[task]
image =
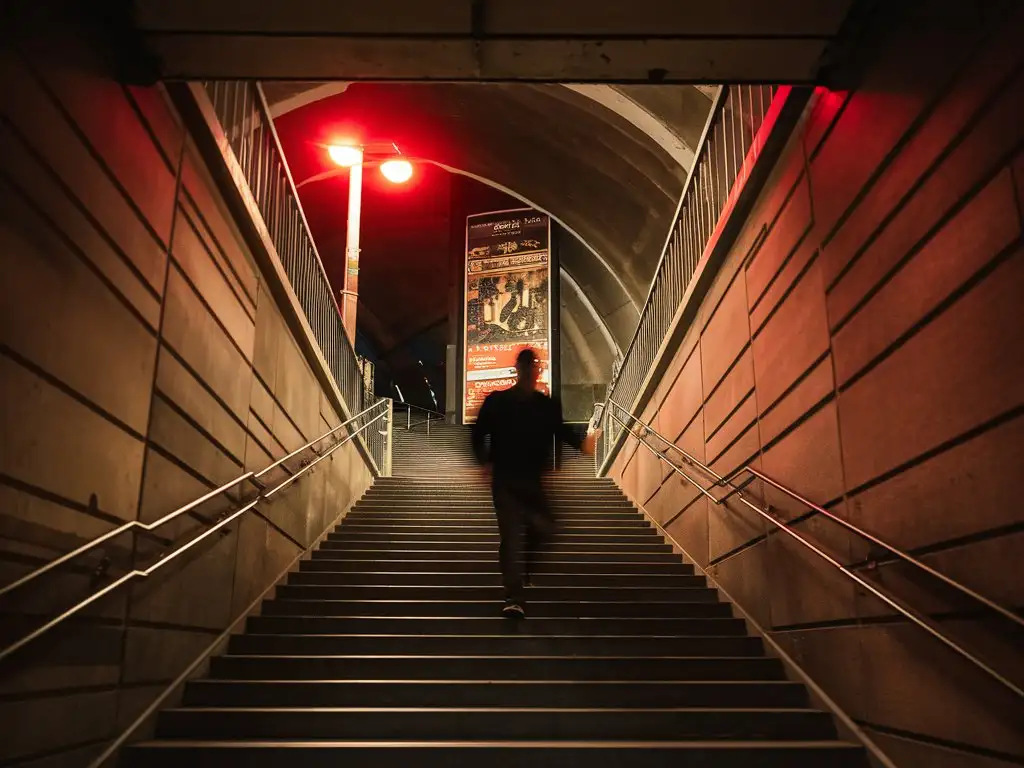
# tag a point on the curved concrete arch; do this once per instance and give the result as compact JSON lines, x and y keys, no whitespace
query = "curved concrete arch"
{"x":598,"y":318}
{"x":301,"y":98}
{"x":607,"y":96}
{"x":645,"y":121}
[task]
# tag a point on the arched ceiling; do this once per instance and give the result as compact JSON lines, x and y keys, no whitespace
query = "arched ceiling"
{"x":608,"y":162}
{"x":573,"y":151}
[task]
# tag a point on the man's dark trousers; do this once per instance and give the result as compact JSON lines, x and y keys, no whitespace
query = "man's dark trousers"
{"x":523,"y":519}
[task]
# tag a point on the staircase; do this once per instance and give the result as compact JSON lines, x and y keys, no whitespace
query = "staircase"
{"x":387,"y":648}
{"x":447,"y":450}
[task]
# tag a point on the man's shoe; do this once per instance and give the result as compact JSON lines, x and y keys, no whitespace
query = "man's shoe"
{"x":513,"y":610}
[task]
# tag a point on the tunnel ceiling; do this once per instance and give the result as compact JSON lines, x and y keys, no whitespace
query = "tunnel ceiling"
{"x":608,"y":181}
{"x":608,"y":163}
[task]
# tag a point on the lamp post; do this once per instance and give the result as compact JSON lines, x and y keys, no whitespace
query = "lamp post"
{"x":395,"y":170}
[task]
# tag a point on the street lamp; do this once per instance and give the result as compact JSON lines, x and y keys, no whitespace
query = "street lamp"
{"x":395,"y":170}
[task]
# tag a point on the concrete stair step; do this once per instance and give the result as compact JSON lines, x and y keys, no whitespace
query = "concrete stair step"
{"x":493,"y":580}
{"x":508,"y":693}
{"x":350,"y":533}
{"x":388,"y":552}
{"x":503,"y":645}
{"x":538,"y":608}
{"x":594,"y":754}
{"x":491,"y":668}
{"x":449,"y":506}
{"x":440,"y":724}
{"x":492,"y":593}
{"x":485,"y":523}
{"x":492,"y":625}
{"x":484,"y":543}
{"x":352,"y":562}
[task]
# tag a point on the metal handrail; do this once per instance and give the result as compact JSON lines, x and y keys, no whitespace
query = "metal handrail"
{"x":892,"y":602}
{"x":420,"y":408}
{"x":238,"y":115}
{"x":408,"y":419}
{"x":731,"y":141}
{"x":144,"y":573}
{"x":694,"y":172}
{"x":904,"y":556}
{"x":316,"y":440}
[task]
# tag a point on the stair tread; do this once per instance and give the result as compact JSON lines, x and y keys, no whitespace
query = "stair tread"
{"x":490,"y":657}
{"x":507,"y":710}
{"x":594,"y":744}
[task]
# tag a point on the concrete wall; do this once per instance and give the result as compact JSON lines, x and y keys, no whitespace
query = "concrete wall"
{"x":862,"y":344}
{"x":585,"y":355}
{"x":142,"y":362}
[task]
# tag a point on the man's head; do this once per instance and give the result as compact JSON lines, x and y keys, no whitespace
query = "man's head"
{"x":528,"y":369}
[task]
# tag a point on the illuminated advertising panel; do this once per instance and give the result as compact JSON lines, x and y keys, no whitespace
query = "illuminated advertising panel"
{"x":508,"y":301}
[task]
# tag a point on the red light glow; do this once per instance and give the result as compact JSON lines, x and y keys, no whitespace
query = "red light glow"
{"x":344,"y":155}
{"x":396,"y":171}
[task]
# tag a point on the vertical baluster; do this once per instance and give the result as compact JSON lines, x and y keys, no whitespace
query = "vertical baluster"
{"x":659,"y":313}
{"x":282,"y":216}
{"x":672,"y":279}
{"x":705,"y":197}
{"x":684,"y":276}
{"x":688,"y":235}
{"x":257,"y":171}
{"x":244,"y":129}
{"x":723,"y":159}
{"x":279,"y":218}
{"x":717,"y":180}
{"x":746,"y":105}
{"x":702,"y":200}
{"x":666,"y":286}
{"x":672,"y":275}
{"x":268,"y":178}
{"x":681,"y":278}
{"x":734,"y":139}
{"x":696,"y":212}
{"x":271,"y":217}
{"x":237,"y":95}
{"x":695,"y":253}
{"x":764,"y":101}
{"x":728,"y":149}
{"x":716,"y":190}
{"x":755,"y":107}
{"x":289,"y":229}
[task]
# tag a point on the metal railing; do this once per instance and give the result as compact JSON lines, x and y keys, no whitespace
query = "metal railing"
{"x":729,"y":147}
{"x":411,"y":422}
{"x":244,"y":116}
{"x":375,"y":413}
{"x":640,"y":431}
